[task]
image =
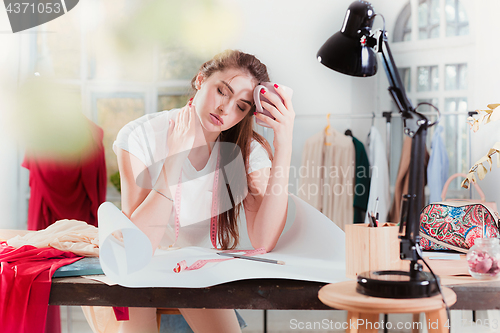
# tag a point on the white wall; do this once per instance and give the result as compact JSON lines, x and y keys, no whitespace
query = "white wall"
{"x":285,"y":35}
{"x":480,"y":52}
{"x":11,"y":174}
{"x":487,"y":89}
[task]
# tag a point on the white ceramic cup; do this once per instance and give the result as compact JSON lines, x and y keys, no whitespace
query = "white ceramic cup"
{"x":257,"y":96}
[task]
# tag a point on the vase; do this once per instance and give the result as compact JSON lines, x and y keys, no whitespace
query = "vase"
{"x":483,"y":259}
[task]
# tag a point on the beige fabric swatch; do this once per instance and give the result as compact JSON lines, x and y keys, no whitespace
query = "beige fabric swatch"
{"x":74,"y":236}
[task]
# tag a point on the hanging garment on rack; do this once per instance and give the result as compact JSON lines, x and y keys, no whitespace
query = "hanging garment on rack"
{"x":437,"y":170}
{"x":362,"y":182}
{"x":312,"y":160}
{"x":328,"y":183}
{"x":67,"y":189}
{"x":379,"y":173}
{"x":403,"y":180}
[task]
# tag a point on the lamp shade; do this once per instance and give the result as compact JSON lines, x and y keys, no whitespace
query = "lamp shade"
{"x":347,"y":51}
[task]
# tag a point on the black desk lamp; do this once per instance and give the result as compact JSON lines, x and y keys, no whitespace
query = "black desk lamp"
{"x":352,"y":51}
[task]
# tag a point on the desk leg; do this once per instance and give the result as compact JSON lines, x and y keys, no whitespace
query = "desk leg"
{"x":416,"y":319}
{"x":362,"y":322}
{"x":437,"y":321}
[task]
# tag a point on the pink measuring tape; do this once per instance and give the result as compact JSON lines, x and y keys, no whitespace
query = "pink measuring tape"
{"x":213,"y":220}
{"x":182,"y":266}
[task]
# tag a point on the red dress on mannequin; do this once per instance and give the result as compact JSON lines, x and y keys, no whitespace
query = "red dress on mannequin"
{"x":66,"y":189}
{"x":69,"y":189}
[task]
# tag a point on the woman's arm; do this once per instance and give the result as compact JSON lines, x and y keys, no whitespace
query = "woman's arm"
{"x":146,"y":208}
{"x":267,"y":201}
{"x":266,"y":204}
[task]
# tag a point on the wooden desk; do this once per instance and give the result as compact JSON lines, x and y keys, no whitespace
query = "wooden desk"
{"x":272,"y":294}
{"x":249,"y":294}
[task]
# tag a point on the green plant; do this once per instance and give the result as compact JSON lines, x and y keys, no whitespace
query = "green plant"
{"x":115,"y":180}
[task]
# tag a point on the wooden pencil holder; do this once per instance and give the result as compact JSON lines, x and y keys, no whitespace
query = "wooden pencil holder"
{"x":371,"y":249}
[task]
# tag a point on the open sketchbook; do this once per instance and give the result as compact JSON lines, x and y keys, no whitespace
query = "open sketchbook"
{"x":312,"y":246}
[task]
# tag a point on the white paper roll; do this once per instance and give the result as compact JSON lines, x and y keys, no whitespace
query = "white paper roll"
{"x":119,"y":259}
{"x":312,"y":246}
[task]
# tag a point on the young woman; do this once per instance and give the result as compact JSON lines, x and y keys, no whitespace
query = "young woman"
{"x":167,"y":163}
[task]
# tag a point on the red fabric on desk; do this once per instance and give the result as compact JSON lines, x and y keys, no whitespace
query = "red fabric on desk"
{"x":25,"y":281}
{"x":67,"y":189}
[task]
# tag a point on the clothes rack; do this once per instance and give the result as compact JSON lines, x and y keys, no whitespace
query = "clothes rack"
{"x":388,"y":115}
{"x":341,"y":115}
{"x":374,"y":115}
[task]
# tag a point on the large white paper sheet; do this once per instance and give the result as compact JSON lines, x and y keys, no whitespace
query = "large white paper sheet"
{"x":313,"y":248}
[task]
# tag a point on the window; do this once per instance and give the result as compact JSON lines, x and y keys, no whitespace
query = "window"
{"x":58,"y":54}
{"x":115,"y":110}
{"x":168,"y":101}
{"x":407,"y":30}
{"x":403,"y":25}
{"x":440,"y":76}
{"x":457,"y":23}
{"x":428,"y":19}
{"x":175,"y":63}
{"x":455,"y":135}
{"x":115,"y":88}
{"x":428,"y":78}
{"x":456,"y":77}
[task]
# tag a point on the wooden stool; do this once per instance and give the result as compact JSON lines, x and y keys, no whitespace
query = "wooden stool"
{"x":167,"y":311}
{"x":365,"y":310}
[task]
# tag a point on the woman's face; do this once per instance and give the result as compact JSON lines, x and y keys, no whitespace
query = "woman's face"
{"x":223,"y":99}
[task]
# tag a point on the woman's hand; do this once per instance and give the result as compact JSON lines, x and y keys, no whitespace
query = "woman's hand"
{"x":181,"y":132}
{"x":284,"y":117}
{"x":267,"y":212}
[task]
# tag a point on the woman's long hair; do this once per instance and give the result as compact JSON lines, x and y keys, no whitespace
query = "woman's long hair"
{"x":241,"y":136}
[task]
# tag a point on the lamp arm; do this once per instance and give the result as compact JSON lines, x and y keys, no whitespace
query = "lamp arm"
{"x":412,"y":119}
{"x":415,"y":126}
{"x":396,"y":87}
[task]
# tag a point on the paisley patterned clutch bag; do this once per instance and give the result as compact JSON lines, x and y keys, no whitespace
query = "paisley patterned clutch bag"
{"x":454,"y":225}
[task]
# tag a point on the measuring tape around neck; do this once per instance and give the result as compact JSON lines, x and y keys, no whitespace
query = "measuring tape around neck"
{"x":215,"y":202}
{"x":182,"y":266}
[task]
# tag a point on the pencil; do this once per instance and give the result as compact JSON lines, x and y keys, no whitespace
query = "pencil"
{"x":239,"y":256}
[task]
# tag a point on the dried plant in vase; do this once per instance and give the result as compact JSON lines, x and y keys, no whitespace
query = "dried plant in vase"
{"x":485,"y":117}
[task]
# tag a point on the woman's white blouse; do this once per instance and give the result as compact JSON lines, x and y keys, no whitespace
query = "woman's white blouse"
{"x":146,"y":139}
